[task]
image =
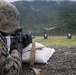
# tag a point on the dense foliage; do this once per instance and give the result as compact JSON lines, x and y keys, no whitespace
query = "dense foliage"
{"x":36,"y":16}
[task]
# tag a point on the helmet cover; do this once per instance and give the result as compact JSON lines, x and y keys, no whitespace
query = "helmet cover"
{"x":9,"y":17}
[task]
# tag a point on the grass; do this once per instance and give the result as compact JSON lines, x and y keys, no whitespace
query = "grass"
{"x":56,"y":41}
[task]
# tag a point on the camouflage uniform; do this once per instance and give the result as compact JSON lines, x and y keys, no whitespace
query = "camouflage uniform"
{"x":9,"y":23}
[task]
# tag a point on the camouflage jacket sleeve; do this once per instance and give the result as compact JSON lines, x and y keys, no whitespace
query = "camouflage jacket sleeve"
{"x":9,"y":64}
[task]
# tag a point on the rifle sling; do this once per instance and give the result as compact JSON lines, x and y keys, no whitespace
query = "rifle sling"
{"x":32,"y":56}
{"x":32,"y":60}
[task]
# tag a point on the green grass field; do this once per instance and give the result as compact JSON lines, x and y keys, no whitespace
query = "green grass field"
{"x":56,"y":41}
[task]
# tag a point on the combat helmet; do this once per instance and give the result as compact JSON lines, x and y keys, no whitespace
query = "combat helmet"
{"x":9,"y":17}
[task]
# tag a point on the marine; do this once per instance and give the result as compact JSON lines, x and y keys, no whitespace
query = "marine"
{"x":10,"y":61}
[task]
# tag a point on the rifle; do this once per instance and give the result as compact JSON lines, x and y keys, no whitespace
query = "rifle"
{"x":20,"y":40}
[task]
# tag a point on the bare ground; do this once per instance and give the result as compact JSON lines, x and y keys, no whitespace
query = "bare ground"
{"x":63,"y":62}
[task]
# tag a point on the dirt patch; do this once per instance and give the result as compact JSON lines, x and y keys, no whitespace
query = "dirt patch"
{"x":63,"y":62}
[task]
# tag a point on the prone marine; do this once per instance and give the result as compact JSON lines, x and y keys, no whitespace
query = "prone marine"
{"x":10,"y":58}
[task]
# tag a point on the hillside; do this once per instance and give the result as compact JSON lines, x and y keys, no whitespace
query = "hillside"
{"x":37,"y":15}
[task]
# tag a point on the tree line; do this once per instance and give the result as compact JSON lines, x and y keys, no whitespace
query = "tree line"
{"x":38,"y":15}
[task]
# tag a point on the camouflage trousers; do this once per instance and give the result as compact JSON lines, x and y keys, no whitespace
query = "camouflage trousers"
{"x":9,"y":63}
